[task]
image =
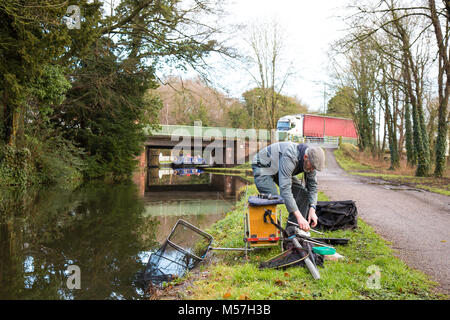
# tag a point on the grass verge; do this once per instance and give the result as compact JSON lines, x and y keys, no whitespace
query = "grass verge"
{"x":230,"y":276}
{"x":244,"y":176}
{"x":234,"y":170}
{"x":357,"y":163}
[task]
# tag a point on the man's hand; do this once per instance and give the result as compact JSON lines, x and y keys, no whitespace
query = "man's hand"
{"x":312,"y":217}
{"x":304,"y":225}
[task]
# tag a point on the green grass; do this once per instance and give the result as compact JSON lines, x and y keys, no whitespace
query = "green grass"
{"x":435,"y":190}
{"x":228,"y":170}
{"x":242,"y":171}
{"x":232,"y":277}
{"x":347,"y":163}
{"x":416,"y":182}
{"x":242,"y":175}
{"x":232,"y":170}
{"x":246,"y":165}
{"x":345,"y":157}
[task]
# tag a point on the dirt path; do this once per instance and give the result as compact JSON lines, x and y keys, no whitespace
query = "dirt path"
{"x":416,"y":222}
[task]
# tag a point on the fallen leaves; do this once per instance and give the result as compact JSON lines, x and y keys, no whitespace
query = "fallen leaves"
{"x":244,"y":297}
{"x":279,"y":282}
{"x":227,"y":294}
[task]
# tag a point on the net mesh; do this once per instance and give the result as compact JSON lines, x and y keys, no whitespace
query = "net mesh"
{"x":288,"y":258}
{"x":293,"y":256}
{"x":184,"y":248}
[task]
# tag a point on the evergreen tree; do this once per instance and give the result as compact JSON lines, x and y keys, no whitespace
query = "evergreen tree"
{"x":110,"y":62}
{"x":342,"y":104}
{"x":107,"y":109}
{"x":34,"y":36}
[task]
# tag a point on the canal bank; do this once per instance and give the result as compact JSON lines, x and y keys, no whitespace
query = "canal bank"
{"x":370,"y":270}
{"x":109,"y":231}
{"x":104,"y":231}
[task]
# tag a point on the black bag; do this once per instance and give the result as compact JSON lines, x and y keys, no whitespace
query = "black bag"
{"x":335,"y":215}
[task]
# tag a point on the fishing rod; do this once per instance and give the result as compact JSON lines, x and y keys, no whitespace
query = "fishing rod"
{"x":295,"y":224}
{"x":305,"y":237}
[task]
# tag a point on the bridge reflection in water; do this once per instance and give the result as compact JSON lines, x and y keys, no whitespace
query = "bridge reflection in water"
{"x":190,"y":194}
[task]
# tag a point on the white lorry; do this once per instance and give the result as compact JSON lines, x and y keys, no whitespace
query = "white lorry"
{"x":290,"y":128}
{"x":314,"y":128}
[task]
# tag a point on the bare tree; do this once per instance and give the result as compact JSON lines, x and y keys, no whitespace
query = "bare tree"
{"x":441,"y":31}
{"x":266,"y":64}
{"x":401,"y":35}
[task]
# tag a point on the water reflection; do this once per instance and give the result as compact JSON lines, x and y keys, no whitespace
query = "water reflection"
{"x":108,"y":231}
{"x":99,"y":228}
{"x":193,"y":195}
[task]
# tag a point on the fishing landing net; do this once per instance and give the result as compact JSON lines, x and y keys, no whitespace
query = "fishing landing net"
{"x":184,"y":248}
{"x":293,"y":256}
{"x":288,"y":258}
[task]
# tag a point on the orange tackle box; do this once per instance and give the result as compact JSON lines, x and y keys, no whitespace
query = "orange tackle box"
{"x":259,"y":231}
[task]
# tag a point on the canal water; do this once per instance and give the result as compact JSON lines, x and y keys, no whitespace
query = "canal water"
{"x":92,"y":242}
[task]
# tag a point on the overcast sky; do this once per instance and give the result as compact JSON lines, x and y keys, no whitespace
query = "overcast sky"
{"x":311,"y":26}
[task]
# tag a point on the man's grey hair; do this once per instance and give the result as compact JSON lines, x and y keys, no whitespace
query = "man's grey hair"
{"x":316,"y":157}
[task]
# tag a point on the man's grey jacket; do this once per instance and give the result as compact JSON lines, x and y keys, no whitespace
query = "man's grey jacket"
{"x":283,"y":161}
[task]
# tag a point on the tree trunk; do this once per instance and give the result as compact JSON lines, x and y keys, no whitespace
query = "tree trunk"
{"x":409,"y":144}
{"x":444,"y":90}
{"x":378,"y":139}
{"x":410,"y":75}
{"x":392,"y":139}
{"x":384,"y":138}
{"x":401,"y":129}
{"x":11,"y":124}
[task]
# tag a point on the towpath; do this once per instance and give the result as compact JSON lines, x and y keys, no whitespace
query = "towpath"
{"x":416,"y":222}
